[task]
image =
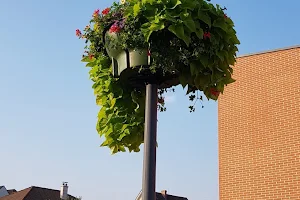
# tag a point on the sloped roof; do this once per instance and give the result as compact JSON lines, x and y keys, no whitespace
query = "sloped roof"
{"x":17,"y":196}
{"x":11,"y":191}
{"x":35,"y":193}
{"x":269,"y":51}
{"x":159,"y":196}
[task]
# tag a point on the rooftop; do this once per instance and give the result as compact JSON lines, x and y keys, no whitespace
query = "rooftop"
{"x":34,"y":193}
{"x":270,"y":51}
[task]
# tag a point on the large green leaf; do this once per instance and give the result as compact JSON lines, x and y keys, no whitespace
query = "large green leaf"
{"x":148,"y":1}
{"x":230,"y":59}
{"x":170,"y":18}
{"x":235,"y":40}
{"x":220,"y":55}
{"x":199,"y":32}
{"x":178,"y":30}
{"x":204,"y":60}
{"x":109,"y":131}
{"x":204,"y":17}
{"x":229,"y":80}
{"x":136,"y":9}
{"x":189,"y":4}
{"x":86,"y":59}
{"x":201,"y":81}
{"x":183,"y":80}
{"x":154,"y":26}
{"x":194,"y":68}
{"x":220,"y":87}
{"x":107,"y":142}
{"x":91,"y":64}
{"x":220,"y":23}
{"x":189,"y":22}
{"x":173,"y":4}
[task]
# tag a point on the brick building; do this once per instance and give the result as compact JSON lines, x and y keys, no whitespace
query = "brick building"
{"x":259,"y":128}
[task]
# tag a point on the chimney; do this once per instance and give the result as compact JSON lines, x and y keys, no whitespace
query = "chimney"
{"x":64,"y":191}
{"x":164,"y":193}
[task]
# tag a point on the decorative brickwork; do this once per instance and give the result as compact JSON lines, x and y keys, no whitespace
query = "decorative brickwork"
{"x":259,"y":128}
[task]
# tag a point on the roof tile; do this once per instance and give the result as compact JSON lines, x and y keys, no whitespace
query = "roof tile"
{"x":35,"y":193}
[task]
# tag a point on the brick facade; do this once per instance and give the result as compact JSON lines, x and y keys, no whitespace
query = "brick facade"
{"x":259,"y":128}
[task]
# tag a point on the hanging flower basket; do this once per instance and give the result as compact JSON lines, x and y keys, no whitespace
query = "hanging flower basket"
{"x":169,"y":42}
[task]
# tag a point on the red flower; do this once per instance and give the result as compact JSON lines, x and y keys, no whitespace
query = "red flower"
{"x":206,"y":35}
{"x":148,"y":53}
{"x":91,"y":56}
{"x":96,"y":13}
{"x":214,"y":92}
{"x":114,"y":28}
{"x":225,"y":16}
{"x":78,"y":33}
{"x":105,"y":11}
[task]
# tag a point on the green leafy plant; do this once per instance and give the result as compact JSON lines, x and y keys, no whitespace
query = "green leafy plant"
{"x":193,"y":40}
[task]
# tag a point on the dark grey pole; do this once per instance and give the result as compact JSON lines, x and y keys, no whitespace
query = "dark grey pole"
{"x":149,"y":171}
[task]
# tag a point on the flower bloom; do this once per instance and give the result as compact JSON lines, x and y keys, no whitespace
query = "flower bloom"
{"x":105,"y":11}
{"x":96,"y":13}
{"x":114,"y":28}
{"x":206,"y":35}
{"x":214,"y":92}
{"x":225,"y":16}
{"x":148,"y":53}
{"x":91,"y":56}
{"x":78,"y":33}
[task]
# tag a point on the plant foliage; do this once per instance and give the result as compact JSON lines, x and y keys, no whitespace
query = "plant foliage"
{"x":193,"y":38}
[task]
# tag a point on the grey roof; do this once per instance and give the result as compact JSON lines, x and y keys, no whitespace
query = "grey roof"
{"x":159,"y":196}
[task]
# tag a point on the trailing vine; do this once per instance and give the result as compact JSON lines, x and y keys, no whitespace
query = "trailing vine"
{"x":195,"y":40}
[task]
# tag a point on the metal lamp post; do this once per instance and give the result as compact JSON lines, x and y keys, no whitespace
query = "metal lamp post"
{"x":149,"y":170}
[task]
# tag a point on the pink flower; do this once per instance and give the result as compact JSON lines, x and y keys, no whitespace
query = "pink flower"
{"x":105,"y":11}
{"x":96,"y":13}
{"x":114,"y":28}
{"x":78,"y":33}
{"x":206,"y":35}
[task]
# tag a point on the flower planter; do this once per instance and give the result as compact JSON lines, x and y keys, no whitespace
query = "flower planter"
{"x":124,"y":58}
{"x":126,"y":64}
{"x":192,"y":43}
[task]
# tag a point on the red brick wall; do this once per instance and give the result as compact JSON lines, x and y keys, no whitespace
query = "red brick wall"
{"x":259,"y":128}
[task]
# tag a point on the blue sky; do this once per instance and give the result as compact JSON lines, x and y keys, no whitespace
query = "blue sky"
{"x":48,"y":112}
